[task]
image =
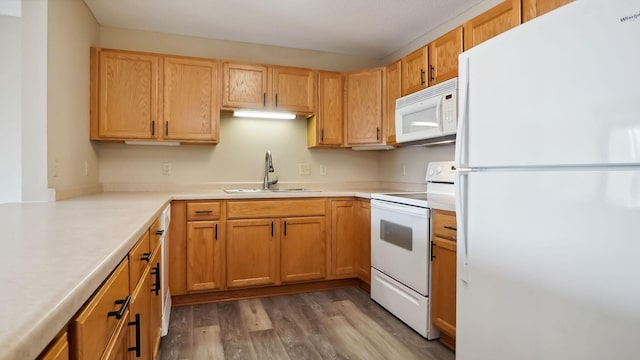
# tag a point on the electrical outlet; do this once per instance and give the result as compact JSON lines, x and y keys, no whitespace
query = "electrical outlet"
{"x":304,"y":169}
{"x":166,"y":169}
{"x":56,"y":168}
{"x":323,"y":170}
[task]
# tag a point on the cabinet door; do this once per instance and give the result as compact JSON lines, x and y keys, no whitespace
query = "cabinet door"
{"x":414,"y":71}
{"x":244,"y":86}
{"x":204,"y":255}
{"x":155,"y":307}
{"x":302,"y":250}
{"x":443,"y":56}
{"x":393,"y":91}
{"x":59,"y":350}
{"x":128,"y":95}
{"x":191,"y":110}
{"x":363,"y":107}
{"x":139,"y":314}
{"x":118,"y":348}
{"x":294,"y":89}
{"x":496,"y":20}
{"x":328,"y":126}
{"x":364,"y":240}
{"x":252,"y":252}
{"x":443,"y":286}
{"x":534,"y":8}
{"x":344,"y":238}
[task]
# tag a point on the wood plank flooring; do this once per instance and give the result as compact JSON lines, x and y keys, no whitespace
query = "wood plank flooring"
{"x":335,"y":324}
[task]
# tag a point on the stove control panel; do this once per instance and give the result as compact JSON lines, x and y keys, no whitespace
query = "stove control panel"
{"x":441,"y":171}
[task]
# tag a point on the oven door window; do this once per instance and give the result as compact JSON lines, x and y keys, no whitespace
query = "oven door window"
{"x":396,"y":234}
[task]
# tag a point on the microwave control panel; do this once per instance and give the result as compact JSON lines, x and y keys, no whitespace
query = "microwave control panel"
{"x":449,"y":113}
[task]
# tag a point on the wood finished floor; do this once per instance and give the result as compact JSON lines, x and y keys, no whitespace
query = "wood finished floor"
{"x":336,"y":324}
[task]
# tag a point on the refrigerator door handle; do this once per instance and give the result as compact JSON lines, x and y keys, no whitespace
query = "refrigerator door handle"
{"x":461,"y":147}
{"x":461,"y":220}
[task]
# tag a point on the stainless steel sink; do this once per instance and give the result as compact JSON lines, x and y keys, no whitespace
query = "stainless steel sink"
{"x":257,"y":191}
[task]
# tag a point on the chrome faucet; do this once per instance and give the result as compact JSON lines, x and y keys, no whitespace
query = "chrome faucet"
{"x":268,"y":168}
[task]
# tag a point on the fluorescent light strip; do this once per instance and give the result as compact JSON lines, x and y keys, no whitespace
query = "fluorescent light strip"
{"x":153,"y":143}
{"x":263,"y":114}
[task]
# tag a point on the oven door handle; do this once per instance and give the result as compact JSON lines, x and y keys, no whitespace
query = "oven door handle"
{"x":398,"y":208}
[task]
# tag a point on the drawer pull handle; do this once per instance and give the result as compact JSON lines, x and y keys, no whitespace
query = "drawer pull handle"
{"x":201,"y":212}
{"x":118,"y":314}
{"x":433,"y":255}
{"x":451,"y":228}
{"x":160,"y":232}
{"x":136,"y":323}
{"x":156,"y":284}
{"x":146,"y":256}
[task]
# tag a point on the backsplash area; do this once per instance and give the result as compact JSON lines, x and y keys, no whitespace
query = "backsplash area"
{"x":238,"y":158}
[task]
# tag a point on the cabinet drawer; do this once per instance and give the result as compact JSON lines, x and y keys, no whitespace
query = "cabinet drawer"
{"x":274,"y":208}
{"x":154,"y":236}
{"x":57,"y":350}
{"x":444,"y":224}
{"x":93,"y":327}
{"x":203,"y":211}
{"x":139,"y":257}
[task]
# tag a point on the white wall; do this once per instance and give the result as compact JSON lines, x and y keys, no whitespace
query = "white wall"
{"x":34,"y":100}
{"x":10,"y":109}
{"x":238,"y":158}
{"x":72,"y":30}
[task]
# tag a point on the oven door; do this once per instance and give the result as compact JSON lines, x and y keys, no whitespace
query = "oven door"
{"x":400,"y":243}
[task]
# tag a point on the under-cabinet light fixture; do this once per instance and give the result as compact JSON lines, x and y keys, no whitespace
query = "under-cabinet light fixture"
{"x":264,"y":114}
{"x":153,"y":143}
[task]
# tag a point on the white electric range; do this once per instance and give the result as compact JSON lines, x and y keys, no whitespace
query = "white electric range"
{"x":400,"y":247}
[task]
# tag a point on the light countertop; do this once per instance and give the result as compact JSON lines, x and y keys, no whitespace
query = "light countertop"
{"x":55,"y":255}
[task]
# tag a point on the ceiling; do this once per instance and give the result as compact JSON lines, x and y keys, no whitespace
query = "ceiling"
{"x":371,"y":28}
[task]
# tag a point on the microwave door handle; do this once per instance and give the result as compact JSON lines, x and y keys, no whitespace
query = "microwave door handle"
{"x":439,"y":114}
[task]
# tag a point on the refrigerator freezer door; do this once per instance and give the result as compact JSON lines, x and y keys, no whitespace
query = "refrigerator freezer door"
{"x":562,"y":89}
{"x":554,"y":262}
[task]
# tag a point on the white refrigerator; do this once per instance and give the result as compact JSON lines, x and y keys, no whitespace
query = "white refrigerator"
{"x":548,"y":188}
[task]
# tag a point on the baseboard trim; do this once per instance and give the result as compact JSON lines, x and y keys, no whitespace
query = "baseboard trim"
{"x":239,"y":294}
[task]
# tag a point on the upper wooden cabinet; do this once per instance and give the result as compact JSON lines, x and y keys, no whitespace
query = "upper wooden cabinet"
{"x":244,"y":86}
{"x":534,"y":8}
{"x":129,"y":101}
{"x":414,"y":71}
{"x":191,"y":110}
{"x":326,"y":127}
{"x":363,"y":107}
{"x":124,"y":95}
{"x":497,"y":20}
{"x":443,"y":56}
{"x":393,"y":91}
{"x":294,"y":89}
{"x":252,"y":86}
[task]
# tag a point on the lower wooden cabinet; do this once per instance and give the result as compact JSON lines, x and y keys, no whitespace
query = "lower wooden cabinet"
{"x":96,"y":322}
{"x":139,"y":316}
{"x":155,"y":303}
{"x":363,"y":226}
{"x":302,"y":250}
{"x":204,"y":255}
{"x":57,"y":350}
{"x":252,"y":252}
{"x":443,"y":276}
{"x":267,"y":242}
{"x":118,"y":347}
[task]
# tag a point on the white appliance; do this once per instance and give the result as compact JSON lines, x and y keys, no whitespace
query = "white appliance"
{"x":428,"y":116}
{"x":400,"y":245}
{"x":548,"y":194}
{"x":165,"y":221}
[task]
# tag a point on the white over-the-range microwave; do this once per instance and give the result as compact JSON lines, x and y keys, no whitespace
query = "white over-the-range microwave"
{"x":429,"y":116}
